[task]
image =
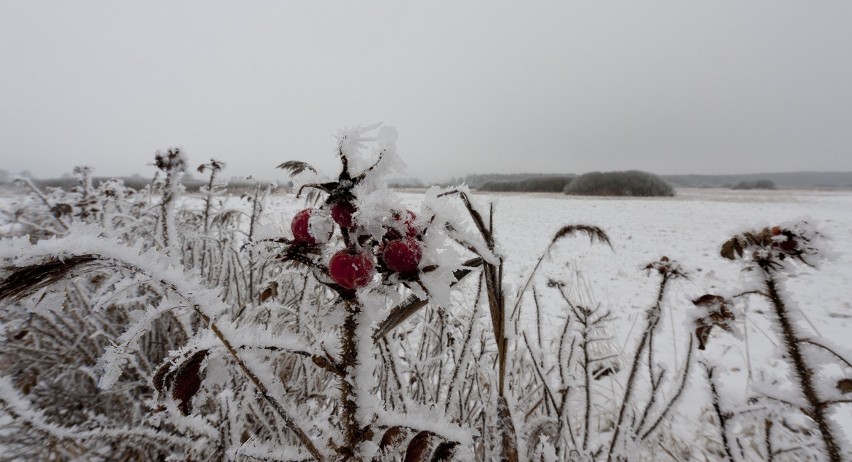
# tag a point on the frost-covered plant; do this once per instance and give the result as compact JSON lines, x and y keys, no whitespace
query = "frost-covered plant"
{"x":385,"y":252}
{"x":771,"y":252}
{"x":668,"y":271}
{"x":209,"y":191}
{"x":327,"y":298}
{"x":172,"y":163}
{"x":570,"y":399}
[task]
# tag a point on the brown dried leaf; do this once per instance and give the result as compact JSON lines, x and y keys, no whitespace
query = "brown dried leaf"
{"x":393,"y":437}
{"x":182,"y":379}
{"x":269,"y":292}
{"x":719,"y":316}
{"x":187,"y":381}
{"x":732,"y":249}
{"x":708,"y":299}
{"x":444,"y":452}
{"x":419,"y":447}
{"x":59,"y":210}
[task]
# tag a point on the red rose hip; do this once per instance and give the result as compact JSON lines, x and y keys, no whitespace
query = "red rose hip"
{"x":305,"y":232}
{"x":342,"y":212}
{"x":301,"y":228}
{"x":403,"y":255}
{"x":351,"y":271}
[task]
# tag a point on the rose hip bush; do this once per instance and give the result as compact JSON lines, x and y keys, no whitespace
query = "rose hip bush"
{"x":286,"y":346}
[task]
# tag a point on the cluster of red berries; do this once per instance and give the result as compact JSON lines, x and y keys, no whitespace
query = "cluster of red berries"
{"x":399,"y":251}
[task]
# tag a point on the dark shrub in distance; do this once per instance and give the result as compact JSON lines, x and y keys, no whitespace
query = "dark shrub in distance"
{"x":555,"y":183}
{"x":628,"y":183}
{"x":756,"y":184}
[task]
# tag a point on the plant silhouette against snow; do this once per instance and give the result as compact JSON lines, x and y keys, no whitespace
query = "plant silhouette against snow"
{"x":769,"y":252}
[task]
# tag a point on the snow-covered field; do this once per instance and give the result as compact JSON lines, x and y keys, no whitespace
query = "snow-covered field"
{"x":690,"y":229}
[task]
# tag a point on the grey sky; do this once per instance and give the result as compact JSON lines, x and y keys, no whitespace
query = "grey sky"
{"x":497,"y":86}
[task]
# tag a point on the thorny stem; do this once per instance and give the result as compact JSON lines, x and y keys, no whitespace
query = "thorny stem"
{"x":256,"y":209}
{"x":549,"y":399}
{"x":348,"y":397}
{"x":677,"y":394}
{"x":564,"y":418}
{"x":300,"y":434}
{"x":653,"y":320}
{"x":768,"y":439}
{"x":168,"y":196}
{"x":722,"y":416}
{"x":587,"y":415}
{"x":207,"y":206}
{"x":801,"y":369}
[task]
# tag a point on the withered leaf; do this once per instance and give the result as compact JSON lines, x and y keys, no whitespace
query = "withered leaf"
{"x":719,"y":315}
{"x":393,"y":436}
{"x":269,"y":292}
{"x":187,"y":381}
{"x":732,"y":248}
{"x":444,"y":451}
{"x":59,"y":210}
{"x":182,"y":379}
{"x":708,"y":299}
{"x":418,"y":448}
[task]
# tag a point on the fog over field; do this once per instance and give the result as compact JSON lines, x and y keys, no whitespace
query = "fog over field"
{"x":671,"y":88}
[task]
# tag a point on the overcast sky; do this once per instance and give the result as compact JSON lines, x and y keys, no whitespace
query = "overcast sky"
{"x":472,"y":87}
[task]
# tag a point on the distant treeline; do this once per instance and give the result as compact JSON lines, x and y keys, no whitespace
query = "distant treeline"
{"x":629,"y":183}
{"x":789,"y":180}
{"x":476,"y":180}
{"x":542,"y":182}
{"x":554,"y":183}
{"x":756,"y":184}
